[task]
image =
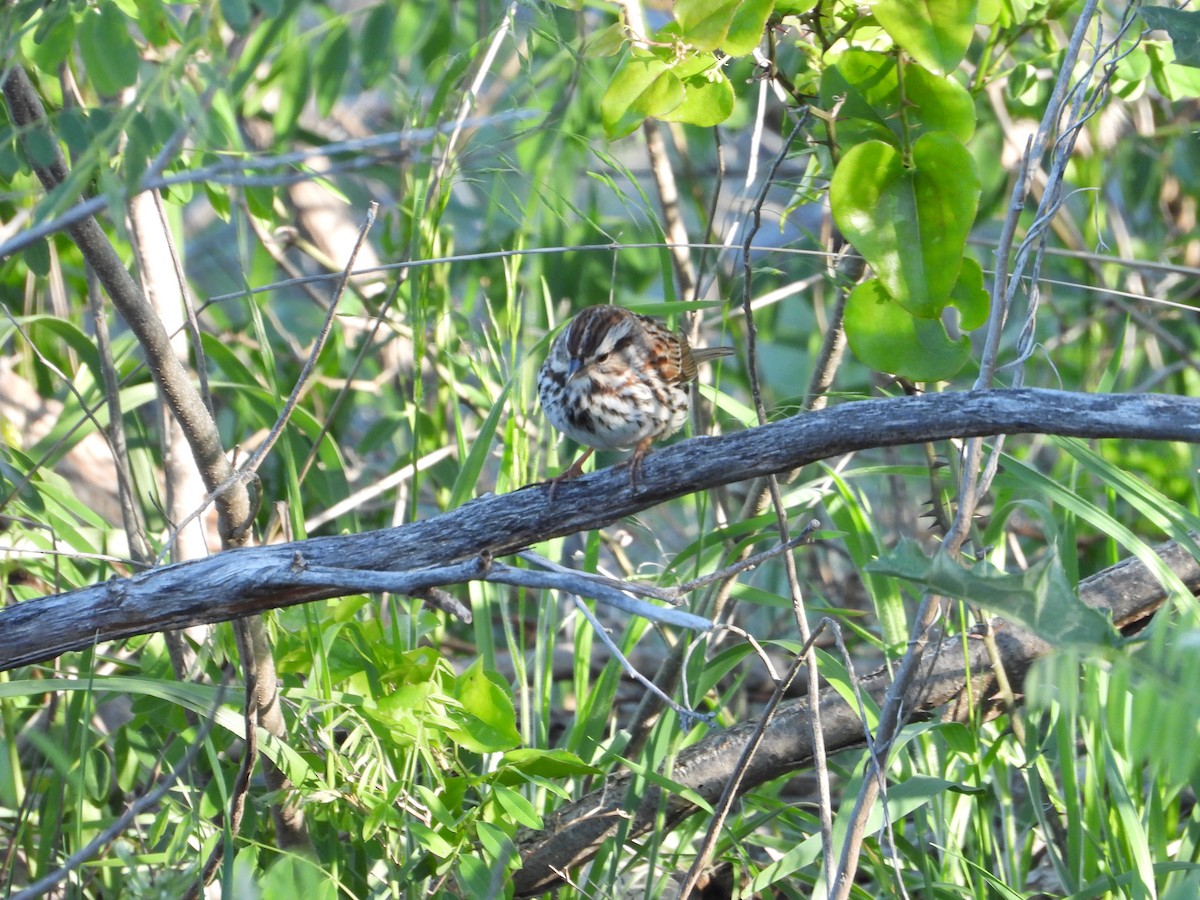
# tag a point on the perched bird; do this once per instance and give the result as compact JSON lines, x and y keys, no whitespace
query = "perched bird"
{"x":616,"y":380}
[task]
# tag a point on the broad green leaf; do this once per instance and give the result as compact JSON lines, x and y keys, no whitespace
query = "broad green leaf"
{"x":888,"y":338}
{"x":970,"y":297}
{"x":867,"y":87}
{"x":487,"y":721}
{"x":708,"y":100}
{"x":108,"y":51}
{"x":154,"y":22}
{"x":705,"y":23}
{"x":517,"y":766}
{"x":607,"y":42}
{"x":37,"y":257}
{"x":643,"y":86}
{"x":1174,"y":81}
{"x":518,"y":808}
{"x":1039,"y":599}
{"x":1184,"y":28}
{"x":49,"y":43}
{"x":237,"y":14}
{"x":909,"y":222}
{"x":746,"y":29}
{"x":934,"y":32}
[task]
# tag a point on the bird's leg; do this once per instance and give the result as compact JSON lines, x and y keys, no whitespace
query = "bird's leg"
{"x":573,"y":471}
{"x":635,"y":462}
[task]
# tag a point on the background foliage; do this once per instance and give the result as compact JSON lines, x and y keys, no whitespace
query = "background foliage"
{"x":506,"y":147}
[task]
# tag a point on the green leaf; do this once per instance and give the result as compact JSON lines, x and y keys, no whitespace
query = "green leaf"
{"x":236,"y":14}
{"x":902,"y":798}
{"x":108,"y":51}
{"x":51,"y":41}
{"x":867,"y":87}
{"x":970,"y":297}
{"x":472,"y":467}
{"x":705,"y":23}
{"x":643,"y":86}
{"x":517,"y":807}
{"x":746,"y":29}
{"x":1184,"y":28}
{"x":888,"y":338}
{"x":606,"y":42}
{"x":487,"y":719}
{"x":708,"y":100}
{"x":517,"y":766}
{"x":295,"y":83}
{"x":154,"y":22}
{"x":375,"y":50}
{"x":332,"y":58}
{"x":1039,"y":599}
{"x":935,"y":33}
{"x":37,"y":257}
{"x":909,"y":222}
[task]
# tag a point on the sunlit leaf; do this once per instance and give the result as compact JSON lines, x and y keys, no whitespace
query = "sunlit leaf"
{"x":910,"y":222}
{"x":934,"y":32}
{"x":888,"y":338}
{"x":642,"y":87}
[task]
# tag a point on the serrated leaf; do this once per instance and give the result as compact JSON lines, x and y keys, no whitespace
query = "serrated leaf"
{"x":910,"y":223}
{"x":1039,"y":599}
{"x":644,"y":86}
{"x":1184,"y":28}
{"x":935,"y":33}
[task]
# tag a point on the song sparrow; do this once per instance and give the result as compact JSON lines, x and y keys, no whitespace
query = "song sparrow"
{"x":615,"y":380}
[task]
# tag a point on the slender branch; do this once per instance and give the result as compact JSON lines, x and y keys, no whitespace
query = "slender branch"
{"x":231,"y":171}
{"x":239,"y":582}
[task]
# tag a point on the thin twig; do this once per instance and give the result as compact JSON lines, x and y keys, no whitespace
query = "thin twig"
{"x":891,"y":716}
{"x":256,"y":459}
{"x":825,"y":797}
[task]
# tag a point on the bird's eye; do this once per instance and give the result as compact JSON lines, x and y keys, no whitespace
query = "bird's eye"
{"x":601,"y":357}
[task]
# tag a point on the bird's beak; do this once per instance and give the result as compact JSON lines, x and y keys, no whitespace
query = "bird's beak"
{"x":573,"y":367}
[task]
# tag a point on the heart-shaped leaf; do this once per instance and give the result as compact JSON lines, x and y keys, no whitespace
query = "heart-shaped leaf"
{"x":910,"y":222}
